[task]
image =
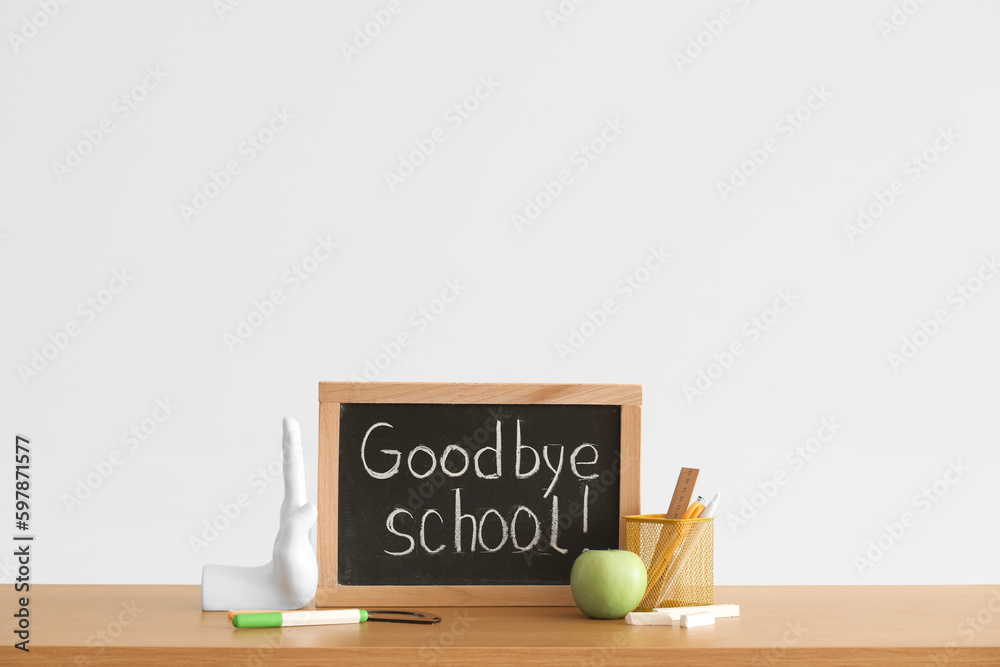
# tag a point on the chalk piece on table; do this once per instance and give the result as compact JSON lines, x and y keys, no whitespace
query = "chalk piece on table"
{"x":697,"y":620}
{"x":720,"y":610}
{"x":647,"y":618}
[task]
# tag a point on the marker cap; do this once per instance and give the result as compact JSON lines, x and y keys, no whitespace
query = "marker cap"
{"x":266,"y":620}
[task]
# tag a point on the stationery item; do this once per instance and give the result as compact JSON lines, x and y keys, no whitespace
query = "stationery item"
{"x":697,"y":620}
{"x":700,"y":500}
{"x":648,"y":618}
{"x":669,"y":560}
{"x":682,"y":492}
{"x":650,"y":535}
{"x":280,"y":619}
{"x":720,"y":610}
{"x":695,"y":509}
{"x":711,"y":507}
{"x":412,"y":522}
{"x":669,"y":553}
{"x":682,"y":557}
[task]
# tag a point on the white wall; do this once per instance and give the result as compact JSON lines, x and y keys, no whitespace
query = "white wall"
{"x":685,"y":128}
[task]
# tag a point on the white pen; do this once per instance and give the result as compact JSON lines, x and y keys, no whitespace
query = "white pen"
{"x":710,"y":508}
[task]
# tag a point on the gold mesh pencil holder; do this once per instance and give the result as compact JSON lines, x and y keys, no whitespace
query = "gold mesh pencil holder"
{"x":678,"y":554}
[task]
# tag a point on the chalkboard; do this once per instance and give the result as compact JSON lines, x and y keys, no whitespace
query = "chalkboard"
{"x":470,"y":493}
{"x":436,"y":495}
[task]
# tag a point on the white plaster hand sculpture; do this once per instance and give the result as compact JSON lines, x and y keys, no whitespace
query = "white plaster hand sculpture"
{"x":289,"y":580}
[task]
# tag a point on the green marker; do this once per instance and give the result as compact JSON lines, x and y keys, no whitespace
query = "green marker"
{"x":281,"y":619}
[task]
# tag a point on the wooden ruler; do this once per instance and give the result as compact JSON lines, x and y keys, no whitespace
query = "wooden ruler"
{"x":682,"y":493}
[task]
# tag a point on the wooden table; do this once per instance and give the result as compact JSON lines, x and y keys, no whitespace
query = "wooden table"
{"x":794,"y":625}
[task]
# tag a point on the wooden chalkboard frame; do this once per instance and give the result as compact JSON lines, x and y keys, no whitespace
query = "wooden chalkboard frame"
{"x":333,"y":394}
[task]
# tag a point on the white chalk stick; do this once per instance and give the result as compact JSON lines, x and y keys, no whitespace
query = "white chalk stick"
{"x":697,"y":620}
{"x":648,"y":618}
{"x":720,"y":610}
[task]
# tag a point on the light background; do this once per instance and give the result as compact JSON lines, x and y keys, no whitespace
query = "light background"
{"x":524,"y":291}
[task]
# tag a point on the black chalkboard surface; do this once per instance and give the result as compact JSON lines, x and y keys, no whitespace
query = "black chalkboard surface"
{"x":436,"y":494}
{"x":471,"y":494}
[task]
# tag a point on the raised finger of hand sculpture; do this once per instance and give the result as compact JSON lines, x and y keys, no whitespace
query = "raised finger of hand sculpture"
{"x":289,"y":580}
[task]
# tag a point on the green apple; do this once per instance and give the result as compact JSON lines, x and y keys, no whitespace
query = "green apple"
{"x":607,"y":583}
